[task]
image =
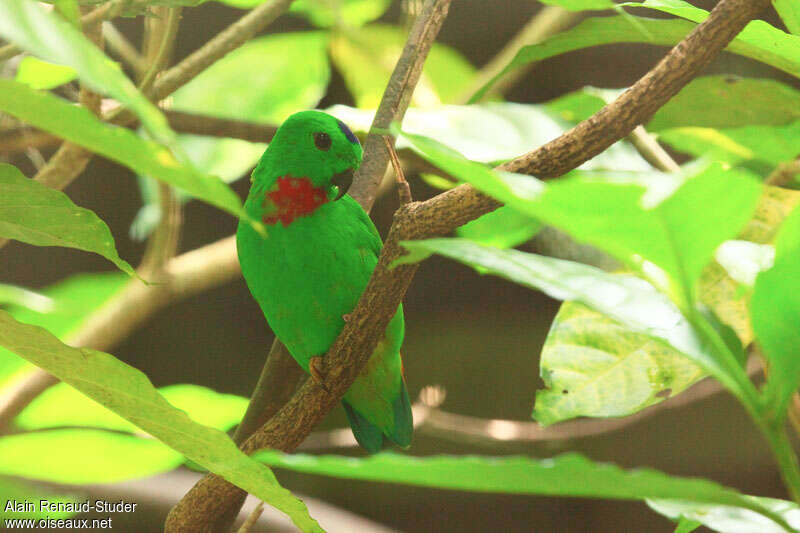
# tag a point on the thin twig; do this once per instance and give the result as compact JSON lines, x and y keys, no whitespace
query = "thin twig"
{"x":395,"y":100}
{"x":252,"y":519}
{"x":403,"y":189}
{"x":785,"y":174}
{"x":167,"y":32}
{"x":651,"y":151}
{"x":118,"y":44}
{"x":441,"y":214}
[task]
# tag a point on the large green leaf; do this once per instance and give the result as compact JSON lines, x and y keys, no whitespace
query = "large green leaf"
{"x":266,"y":79}
{"x":770,"y":145}
{"x":643,"y":219}
{"x":758,"y":41}
{"x":504,"y":228}
{"x":492,"y":132}
{"x":775,"y":313}
{"x":566,"y":475}
{"x":78,"y":125}
{"x":129,"y":393}
{"x":593,"y":366}
{"x":78,"y":456}
{"x":38,"y":215}
{"x":789,"y":10}
{"x":629,"y":300}
{"x":729,"y":102}
{"x":727,"y":519}
{"x":63,"y":406}
{"x":43,"y":75}
{"x":53,"y":39}
{"x":72,"y":300}
{"x":366,"y":57}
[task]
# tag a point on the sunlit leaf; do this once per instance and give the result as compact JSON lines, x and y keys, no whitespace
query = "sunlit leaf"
{"x":566,"y":475}
{"x":22,"y":297}
{"x":492,"y":132}
{"x":35,"y":214}
{"x":769,"y":144}
{"x":71,"y":302}
{"x":40,"y":74}
{"x":366,"y":57}
{"x":129,"y":393}
{"x":642,"y":219}
{"x":727,"y":519}
{"x":63,"y":406}
{"x":265,"y":80}
{"x":73,"y":456}
{"x":80,"y":126}
{"x":629,"y":300}
{"x":53,"y":39}
{"x":594,"y":366}
{"x":504,"y":228}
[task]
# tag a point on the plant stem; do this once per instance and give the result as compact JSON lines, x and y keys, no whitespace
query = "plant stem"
{"x":787,"y":459}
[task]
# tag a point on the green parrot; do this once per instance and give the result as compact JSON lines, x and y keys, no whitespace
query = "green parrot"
{"x":309,"y":271}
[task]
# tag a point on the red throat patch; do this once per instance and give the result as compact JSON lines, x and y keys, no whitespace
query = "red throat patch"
{"x":292,"y":198}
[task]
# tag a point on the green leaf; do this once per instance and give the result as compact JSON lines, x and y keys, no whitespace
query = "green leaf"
{"x":593,"y":366}
{"x":581,"y":5}
{"x":72,"y":301}
{"x":565,"y":475}
{"x":348,"y":13}
{"x":769,"y":144}
{"x":129,"y":393}
{"x":63,"y":406}
{"x":727,"y":519}
{"x":640,"y":218}
{"x":729,"y":102}
{"x":758,"y":41}
{"x":16,"y":491}
{"x":78,"y":125}
{"x":53,"y":39}
{"x":789,"y":11}
{"x":775,"y":313}
{"x":629,"y":300}
{"x":366,"y":57}
{"x":503,"y":228}
{"x":84,"y":456}
{"x":35,"y":214}
{"x":40,"y":74}
{"x":492,"y":132}
{"x":265,"y":80}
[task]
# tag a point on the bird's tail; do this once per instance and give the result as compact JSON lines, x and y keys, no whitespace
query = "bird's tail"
{"x":370,"y":436}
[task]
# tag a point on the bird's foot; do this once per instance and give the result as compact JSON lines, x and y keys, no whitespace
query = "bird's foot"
{"x":315,"y":368}
{"x":346,"y":317}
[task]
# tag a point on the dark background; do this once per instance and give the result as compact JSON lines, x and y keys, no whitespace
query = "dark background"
{"x":477,"y":336}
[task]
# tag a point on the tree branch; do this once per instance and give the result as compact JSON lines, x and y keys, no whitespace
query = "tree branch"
{"x":441,"y":214}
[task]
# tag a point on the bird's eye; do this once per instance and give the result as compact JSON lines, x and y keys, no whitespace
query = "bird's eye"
{"x":322,"y":140}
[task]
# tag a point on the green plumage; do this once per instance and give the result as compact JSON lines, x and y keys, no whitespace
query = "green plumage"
{"x":315,"y":262}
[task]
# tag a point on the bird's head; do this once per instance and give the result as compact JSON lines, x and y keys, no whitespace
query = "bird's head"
{"x":312,"y":145}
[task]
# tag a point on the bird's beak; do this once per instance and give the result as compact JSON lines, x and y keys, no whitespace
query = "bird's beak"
{"x":343,"y":180}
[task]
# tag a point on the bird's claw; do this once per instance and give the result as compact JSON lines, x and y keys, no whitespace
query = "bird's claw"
{"x":346,"y":317}
{"x":315,"y":365}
